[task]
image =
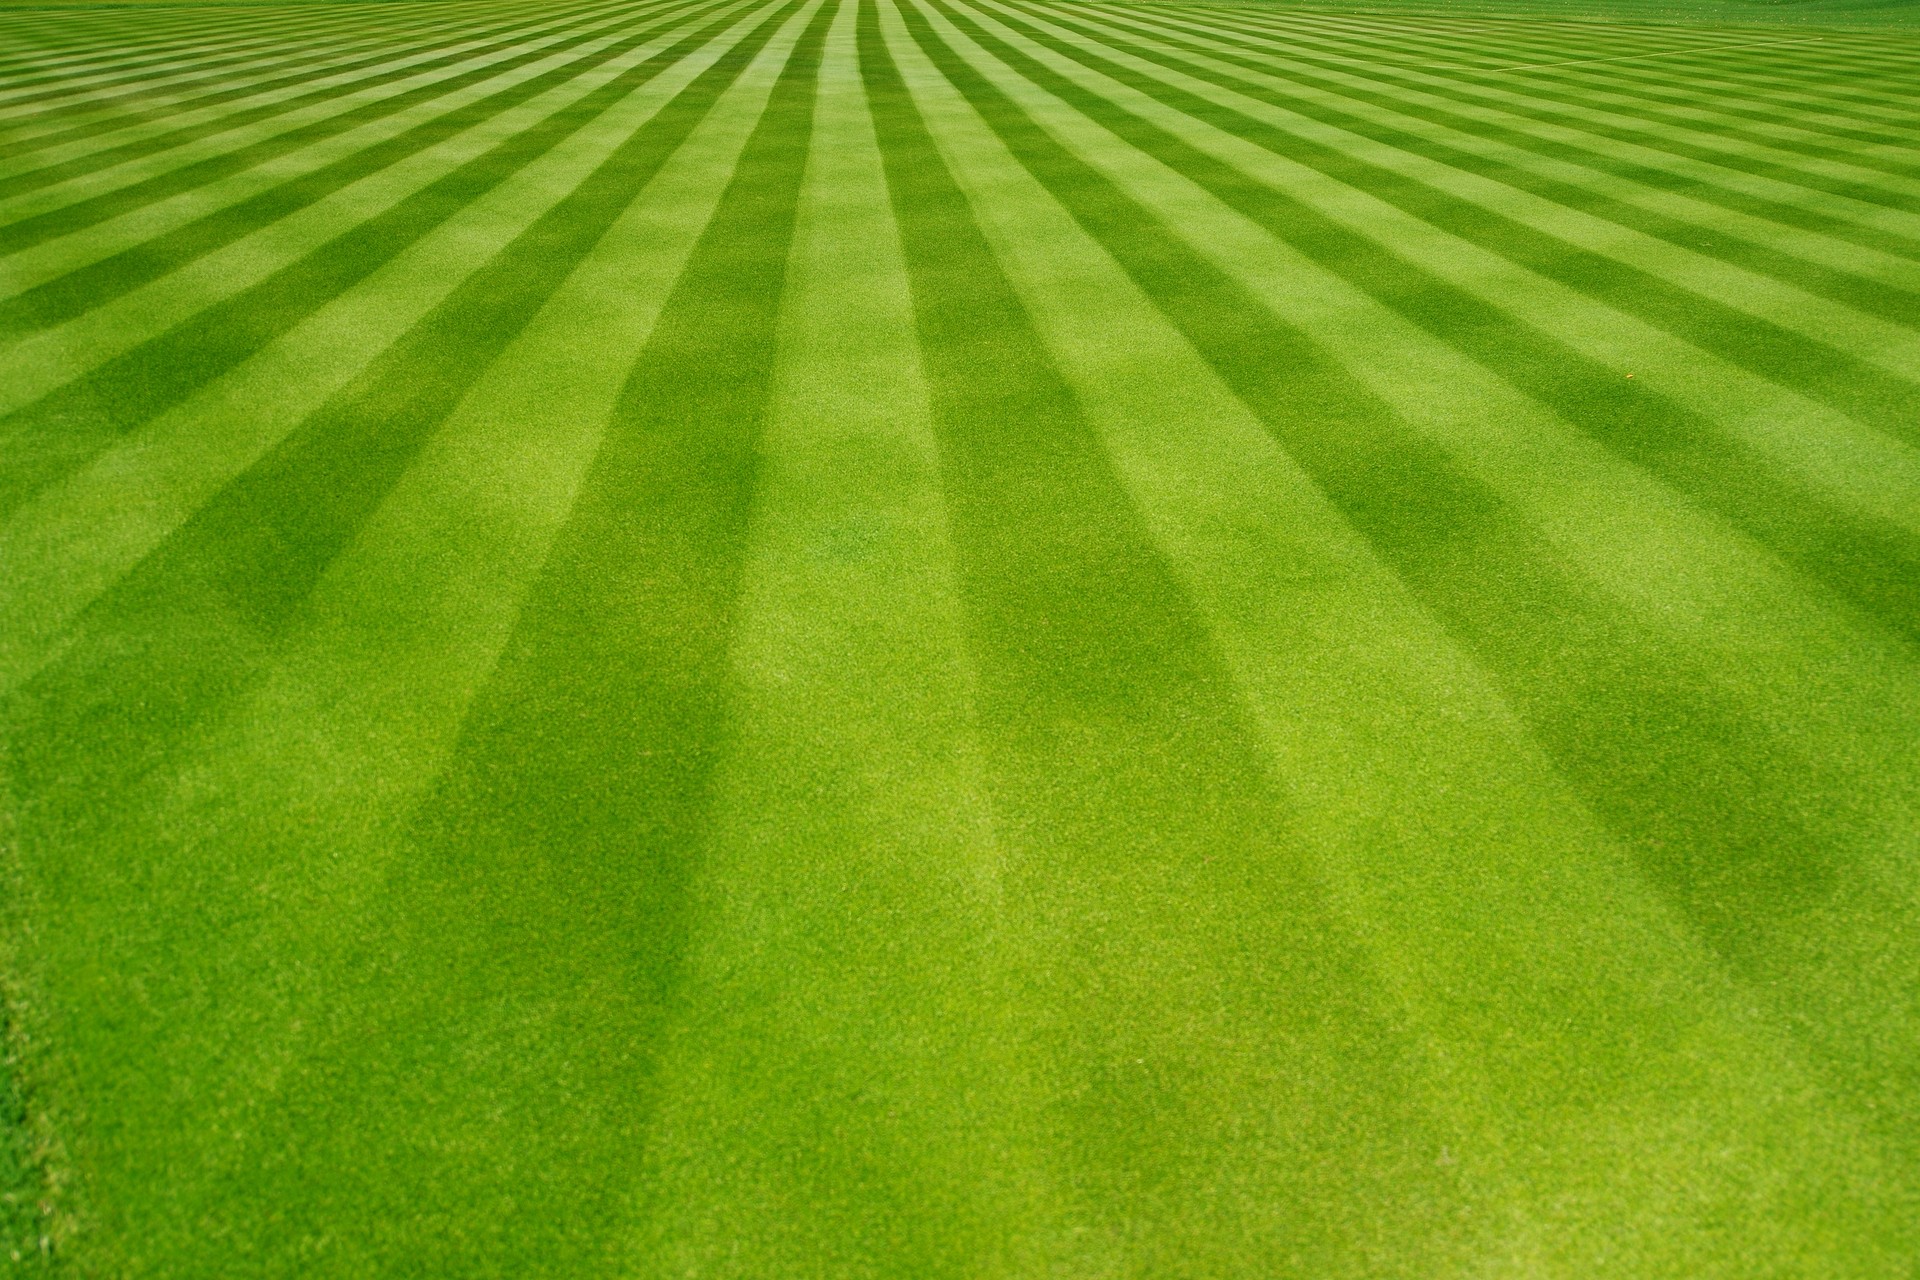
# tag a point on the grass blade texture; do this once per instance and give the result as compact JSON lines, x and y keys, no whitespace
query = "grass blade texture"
{"x":960,"y":638}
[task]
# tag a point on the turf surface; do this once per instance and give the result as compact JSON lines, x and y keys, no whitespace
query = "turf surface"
{"x":959,"y":637}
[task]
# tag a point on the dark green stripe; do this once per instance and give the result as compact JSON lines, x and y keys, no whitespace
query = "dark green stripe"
{"x":1871,"y":563}
{"x":81,"y":290}
{"x":1122,"y":766}
{"x":61,"y":431}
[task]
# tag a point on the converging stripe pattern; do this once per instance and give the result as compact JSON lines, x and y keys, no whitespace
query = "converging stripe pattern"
{"x":957,"y":638}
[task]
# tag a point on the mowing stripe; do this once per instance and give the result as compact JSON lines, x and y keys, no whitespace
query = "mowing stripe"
{"x":245,"y":73}
{"x":65,"y":428}
{"x":53,"y":258}
{"x":174,"y":30}
{"x":844,"y":1090}
{"x":1362,"y":57}
{"x":1738,"y":84}
{"x":1709,"y":100}
{"x":158,"y":24}
{"x":1870,"y":562}
{"x":1095,"y":677}
{"x":1393,"y":363}
{"x":358,"y":712}
{"x":1837,"y":92}
{"x":72,"y":544}
{"x":75,"y":539}
{"x":1593,"y":691}
{"x":567,"y":824}
{"x":1869,"y":393}
{"x":98,"y":100}
{"x":1481,"y":55}
{"x":240,"y":651}
{"x":226,"y":584}
{"x":1647,"y":166}
{"x":1475,"y":54}
{"x":1890,"y":342}
{"x":1881,"y":109}
{"x":214,"y":55}
{"x":1313,"y":639}
{"x":328,"y":59}
{"x":141,"y":31}
{"x":958,"y":638}
{"x":1716,"y":808}
{"x":65,"y":218}
{"x":1853,"y":98}
{"x":77,"y":292}
{"x":333,"y":78}
{"x":1638,"y":57}
{"x":162,"y":104}
{"x":1724,"y":148}
{"x":1461,"y":149}
{"x":1881,"y":166}
{"x":134,"y":57}
{"x":50,"y":358}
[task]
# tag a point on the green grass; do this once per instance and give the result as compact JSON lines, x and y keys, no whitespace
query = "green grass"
{"x":1696,"y":14}
{"x":960,"y":638}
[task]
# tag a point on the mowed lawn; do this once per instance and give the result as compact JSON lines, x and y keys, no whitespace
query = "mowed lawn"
{"x":957,"y":638}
